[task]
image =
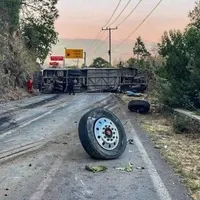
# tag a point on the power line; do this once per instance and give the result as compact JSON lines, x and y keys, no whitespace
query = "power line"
{"x":140,"y":24}
{"x":98,"y":35}
{"x":124,"y":18}
{"x":120,"y":13}
{"x":113,"y":13}
{"x":129,"y":13}
{"x":105,"y":40}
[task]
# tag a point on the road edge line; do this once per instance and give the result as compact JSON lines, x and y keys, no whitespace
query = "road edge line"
{"x":156,"y":179}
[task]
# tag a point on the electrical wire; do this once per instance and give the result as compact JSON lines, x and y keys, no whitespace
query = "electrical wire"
{"x":130,"y":13}
{"x":113,"y":13}
{"x":99,"y":45}
{"x":120,"y":13}
{"x":99,"y":34}
{"x":139,"y":24}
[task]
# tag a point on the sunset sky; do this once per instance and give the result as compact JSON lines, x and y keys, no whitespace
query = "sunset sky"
{"x":82,"y":19}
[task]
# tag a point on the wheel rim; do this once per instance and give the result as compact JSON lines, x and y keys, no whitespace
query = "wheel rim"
{"x":106,"y":133}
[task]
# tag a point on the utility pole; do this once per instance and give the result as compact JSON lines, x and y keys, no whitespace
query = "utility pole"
{"x":85,"y":58}
{"x":77,"y":63}
{"x":110,"y":42}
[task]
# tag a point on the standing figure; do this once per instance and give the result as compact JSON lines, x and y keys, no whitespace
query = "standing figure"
{"x":30,"y":85}
{"x":71,"y":86}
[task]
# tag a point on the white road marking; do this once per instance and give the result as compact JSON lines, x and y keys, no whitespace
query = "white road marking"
{"x":157,"y":181}
{"x":85,"y":190}
{"x":82,"y":183}
{"x":46,"y":181}
{"x":39,"y":117}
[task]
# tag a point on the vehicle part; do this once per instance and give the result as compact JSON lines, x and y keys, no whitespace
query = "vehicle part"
{"x":102,"y":134}
{"x":140,"y":106}
{"x":74,"y":72}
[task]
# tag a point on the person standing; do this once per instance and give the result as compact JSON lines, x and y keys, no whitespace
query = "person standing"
{"x":71,"y":86}
{"x":30,"y":85}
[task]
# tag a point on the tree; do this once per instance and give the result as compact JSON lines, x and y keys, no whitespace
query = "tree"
{"x":140,"y":50}
{"x":194,"y":15}
{"x":29,"y":22}
{"x":9,"y":13}
{"x":100,"y":63}
{"x":37,"y":26}
{"x":178,"y":77}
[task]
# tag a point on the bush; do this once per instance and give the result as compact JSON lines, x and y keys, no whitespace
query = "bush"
{"x":185,"y":124}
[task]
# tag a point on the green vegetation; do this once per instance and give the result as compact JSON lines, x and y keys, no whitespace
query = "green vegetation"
{"x":175,"y":71}
{"x":26,"y":36}
{"x":100,"y":63}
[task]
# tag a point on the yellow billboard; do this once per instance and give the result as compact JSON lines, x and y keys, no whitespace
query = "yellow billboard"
{"x":73,"y":53}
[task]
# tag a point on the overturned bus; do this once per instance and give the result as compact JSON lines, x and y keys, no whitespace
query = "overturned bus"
{"x":88,"y":79}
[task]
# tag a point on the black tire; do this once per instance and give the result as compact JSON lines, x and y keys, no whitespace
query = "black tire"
{"x":89,"y":141}
{"x":140,"y":106}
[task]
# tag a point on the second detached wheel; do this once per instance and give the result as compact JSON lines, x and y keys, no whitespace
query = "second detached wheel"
{"x":102,"y":134}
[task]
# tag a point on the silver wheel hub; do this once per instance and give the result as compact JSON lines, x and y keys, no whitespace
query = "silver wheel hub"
{"x":106,"y":133}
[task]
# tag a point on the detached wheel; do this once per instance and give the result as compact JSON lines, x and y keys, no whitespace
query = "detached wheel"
{"x":102,"y":135}
{"x":139,"y":106}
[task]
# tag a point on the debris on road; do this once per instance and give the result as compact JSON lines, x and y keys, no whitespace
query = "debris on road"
{"x":133,"y":94}
{"x":95,"y":169}
{"x":125,"y":123}
{"x":157,"y":147}
{"x":130,"y":141}
{"x":140,"y":168}
{"x":128,"y":168}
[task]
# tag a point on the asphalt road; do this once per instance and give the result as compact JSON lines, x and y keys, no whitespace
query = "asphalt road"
{"x":41,"y":157}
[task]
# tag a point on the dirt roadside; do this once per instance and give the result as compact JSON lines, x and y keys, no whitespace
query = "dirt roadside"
{"x":13,"y":94}
{"x":182,"y":151}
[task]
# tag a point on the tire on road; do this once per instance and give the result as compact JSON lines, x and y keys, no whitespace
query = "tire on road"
{"x":102,"y":135}
{"x":140,"y":106}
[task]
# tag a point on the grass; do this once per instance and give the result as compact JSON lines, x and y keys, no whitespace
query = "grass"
{"x":182,"y":151}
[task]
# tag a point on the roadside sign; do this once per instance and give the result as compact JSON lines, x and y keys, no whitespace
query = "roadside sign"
{"x":57,"y":58}
{"x":54,"y":63}
{"x":73,"y":53}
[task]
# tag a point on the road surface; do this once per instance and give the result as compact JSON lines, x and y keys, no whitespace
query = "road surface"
{"x":41,"y":157}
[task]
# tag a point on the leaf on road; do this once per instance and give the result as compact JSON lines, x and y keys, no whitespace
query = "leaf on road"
{"x":128,"y":168}
{"x":95,"y":169}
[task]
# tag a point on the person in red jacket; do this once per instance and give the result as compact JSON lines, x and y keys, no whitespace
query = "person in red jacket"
{"x":30,"y":85}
